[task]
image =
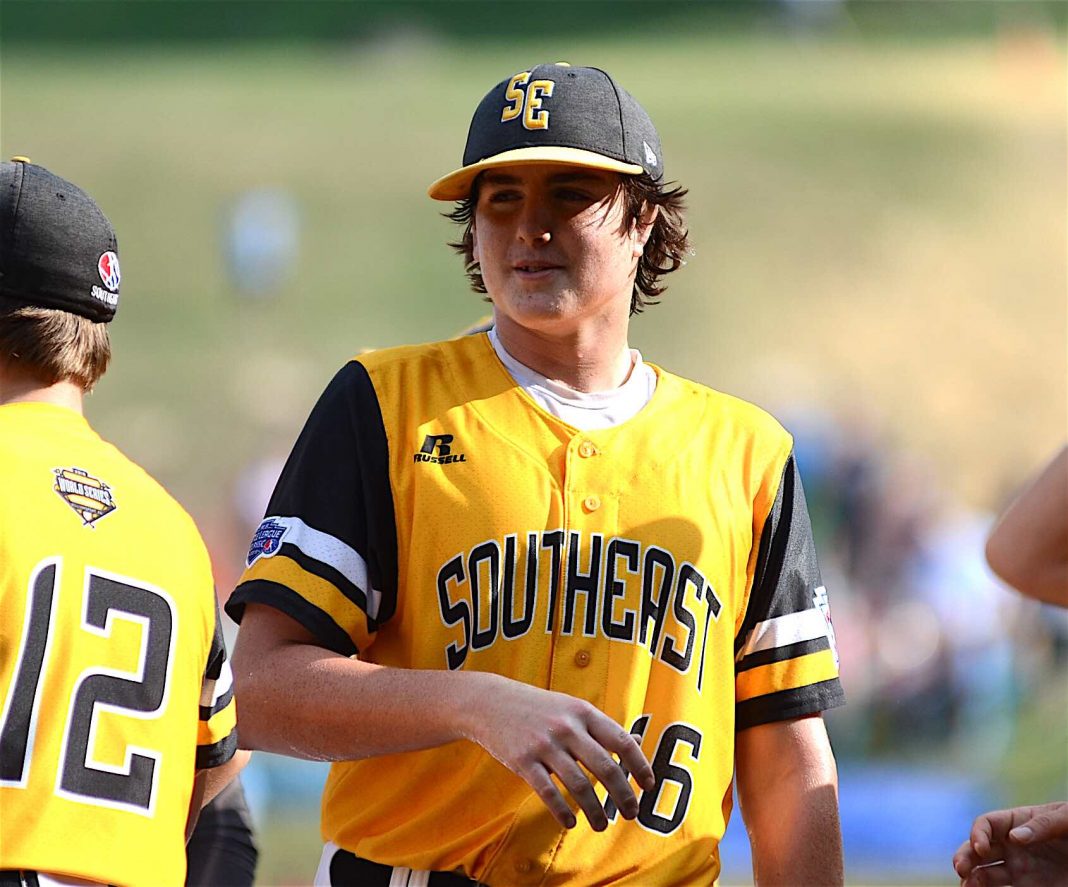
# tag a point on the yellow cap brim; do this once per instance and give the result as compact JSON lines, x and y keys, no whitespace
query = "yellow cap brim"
{"x":457,"y":185}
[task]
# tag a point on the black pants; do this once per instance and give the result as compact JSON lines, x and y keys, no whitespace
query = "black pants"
{"x":348,"y":870}
{"x":221,"y":852}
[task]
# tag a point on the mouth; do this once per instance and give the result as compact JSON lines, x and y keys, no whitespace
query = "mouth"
{"x":534,"y":267}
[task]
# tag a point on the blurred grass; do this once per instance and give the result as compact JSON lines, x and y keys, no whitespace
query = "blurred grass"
{"x":878,"y":226}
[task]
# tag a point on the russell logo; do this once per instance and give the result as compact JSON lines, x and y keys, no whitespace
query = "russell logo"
{"x":441,"y":445}
{"x":108,"y":266}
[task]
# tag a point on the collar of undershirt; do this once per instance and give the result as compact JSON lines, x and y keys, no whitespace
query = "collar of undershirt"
{"x":627,"y":399}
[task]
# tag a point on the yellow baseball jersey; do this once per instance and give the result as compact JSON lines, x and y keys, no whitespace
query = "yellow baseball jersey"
{"x":113,"y":674}
{"x":431,"y":515}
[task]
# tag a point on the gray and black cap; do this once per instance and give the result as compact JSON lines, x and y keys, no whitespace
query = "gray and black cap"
{"x":556,"y":114}
{"x":57,"y":249}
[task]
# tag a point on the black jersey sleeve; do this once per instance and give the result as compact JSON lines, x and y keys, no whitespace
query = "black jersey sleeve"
{"x":326,"y":551}
{"x":216,"y":733}
{"x":786,"y":664}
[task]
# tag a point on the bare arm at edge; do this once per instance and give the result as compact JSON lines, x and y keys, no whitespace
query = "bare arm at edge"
{"x":788,"y":787}
{"x":297,"y":698}
{"x":1028,"y":546}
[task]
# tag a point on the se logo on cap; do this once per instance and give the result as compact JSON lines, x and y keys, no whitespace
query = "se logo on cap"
{"x":529,"y":102}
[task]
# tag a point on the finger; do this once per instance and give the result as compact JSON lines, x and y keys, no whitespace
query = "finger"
{"x":538,"y":778}
{"x":989,"y":832}
{"x":964,"y":860}
{"x":981,"y":834}
{"x":612,"y":775}
{"x":1048,"y":822}
{"x":614,"y":738}
{"x":580,"y":788}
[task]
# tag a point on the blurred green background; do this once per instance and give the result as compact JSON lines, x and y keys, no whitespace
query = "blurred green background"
{"x":877,"y":202}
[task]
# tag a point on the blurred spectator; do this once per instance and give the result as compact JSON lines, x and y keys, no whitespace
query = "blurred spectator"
{"x":263,"y":241}
{"x":930,"y":640}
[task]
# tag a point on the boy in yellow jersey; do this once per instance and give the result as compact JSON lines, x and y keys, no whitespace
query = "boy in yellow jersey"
{"x":538,"y":598}
{"x":117,"y":717}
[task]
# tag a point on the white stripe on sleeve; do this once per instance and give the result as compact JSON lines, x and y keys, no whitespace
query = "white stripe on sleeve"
{"x":334,"y":553}
{"x":793,"y":628}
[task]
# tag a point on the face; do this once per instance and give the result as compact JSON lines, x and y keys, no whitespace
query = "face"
{"x":549,"y":243}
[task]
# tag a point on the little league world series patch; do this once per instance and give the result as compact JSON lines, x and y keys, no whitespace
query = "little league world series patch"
{"x":266,"y":541}
{"x":88,"y":496}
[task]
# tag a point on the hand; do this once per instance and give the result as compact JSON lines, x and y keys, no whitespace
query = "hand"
{"x":1028,"y":847}
{"x":538,"y":734}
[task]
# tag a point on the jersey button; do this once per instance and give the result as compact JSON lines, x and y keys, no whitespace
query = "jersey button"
{"x":582,"y":658}
{"x":591,"y":503}
{"x":587,"y":449}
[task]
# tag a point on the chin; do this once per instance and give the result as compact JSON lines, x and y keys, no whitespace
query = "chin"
{"x":531,"y":307}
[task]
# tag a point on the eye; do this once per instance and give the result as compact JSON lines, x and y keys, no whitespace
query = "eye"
{"x":502,"y":196}
{"x":576,"y":195}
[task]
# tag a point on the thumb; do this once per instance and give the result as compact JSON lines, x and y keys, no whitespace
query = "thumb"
{"x":1050,"y":823}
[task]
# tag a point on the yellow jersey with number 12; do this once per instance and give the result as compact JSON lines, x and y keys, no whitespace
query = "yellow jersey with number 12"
{"x":113,"y":675}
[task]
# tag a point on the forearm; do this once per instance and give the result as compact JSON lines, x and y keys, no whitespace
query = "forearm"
{"x":788,"y":788}
{"x":305,"y":702}
{"x":299,"y":699}
{"x":217,"y":778}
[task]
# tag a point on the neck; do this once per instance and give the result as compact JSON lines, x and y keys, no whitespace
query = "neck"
{"x":17,"y":386}
{"x":584,"y":359}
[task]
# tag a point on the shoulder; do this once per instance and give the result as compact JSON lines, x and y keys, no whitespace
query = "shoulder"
{"x":724,"y":413}
{"x":428,"y":357}
{"x":434,"y":376}
{"x":165,"y":509}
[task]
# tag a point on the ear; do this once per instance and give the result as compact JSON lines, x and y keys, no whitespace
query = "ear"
{"x":474,"y":243}
{"x":643,"y":229}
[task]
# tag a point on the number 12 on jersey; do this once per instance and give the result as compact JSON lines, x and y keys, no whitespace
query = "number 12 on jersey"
{"x":96,"y":691}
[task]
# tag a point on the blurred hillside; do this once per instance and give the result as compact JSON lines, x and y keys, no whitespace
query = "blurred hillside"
{"x":879,"y":226}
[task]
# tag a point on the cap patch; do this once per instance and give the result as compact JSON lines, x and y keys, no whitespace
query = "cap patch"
{"x":88,"y":496}
{"x":108,"y":266}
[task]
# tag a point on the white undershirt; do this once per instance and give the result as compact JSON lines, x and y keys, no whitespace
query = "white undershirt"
{"x":587,"y":411}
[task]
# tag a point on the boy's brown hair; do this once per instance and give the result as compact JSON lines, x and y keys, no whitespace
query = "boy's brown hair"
{"x":53,"y":345}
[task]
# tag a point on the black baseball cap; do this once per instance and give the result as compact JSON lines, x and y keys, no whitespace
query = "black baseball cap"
{"x":556,"y":114}
{"x":57,"y":249}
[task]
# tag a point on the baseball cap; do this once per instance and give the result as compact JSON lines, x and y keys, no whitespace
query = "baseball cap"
{"x":556,"y":114}
{"x":57,"y":249}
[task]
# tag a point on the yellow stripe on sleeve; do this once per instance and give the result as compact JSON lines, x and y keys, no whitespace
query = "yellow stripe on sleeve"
{"x":316,"y":591}
{"x":786,"y":675}
{"x":218,"y":726}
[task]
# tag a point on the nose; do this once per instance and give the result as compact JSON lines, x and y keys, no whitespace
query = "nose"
{"x":534,"y":225}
